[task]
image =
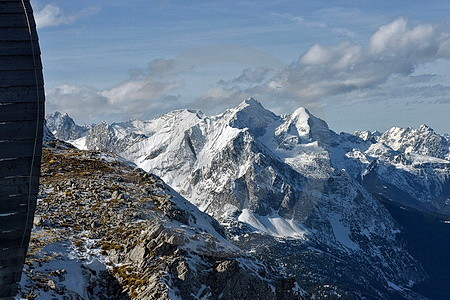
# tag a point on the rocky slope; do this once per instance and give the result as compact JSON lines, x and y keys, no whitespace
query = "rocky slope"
{"x":277,"y":183}
{"x":106,"y":230}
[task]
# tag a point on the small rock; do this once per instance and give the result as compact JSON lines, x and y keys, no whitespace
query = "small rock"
{"x":137,"y":253}
{"x":51,"y":284}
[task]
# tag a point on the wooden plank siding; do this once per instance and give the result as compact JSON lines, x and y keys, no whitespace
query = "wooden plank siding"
{"x":19,"y":149}
{"x":21,"y":94}
{"x":18,"y":135}
{"x":18,"y":185}
{"x":24,"y":62}
{"x":18,"y":47}
{"x":17,"y":203}
{"x":15,"y":20}
{"x":21,"y":129}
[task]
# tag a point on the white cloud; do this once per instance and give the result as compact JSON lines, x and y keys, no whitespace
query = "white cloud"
{"x":157,"y":80}
{"x":52,"y":15}
{"x":146,"y":92}
{"x":382,"y":69}
{"x":315,"y":24}
{"x":396,"y":38}
{"x":81,"y":102}
{"x":394,"y":51}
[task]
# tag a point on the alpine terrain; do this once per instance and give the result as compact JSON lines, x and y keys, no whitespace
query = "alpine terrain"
{"x":292,"y":197}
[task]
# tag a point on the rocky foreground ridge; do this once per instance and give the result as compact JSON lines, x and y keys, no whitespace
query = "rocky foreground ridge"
{"x":108,"y":230}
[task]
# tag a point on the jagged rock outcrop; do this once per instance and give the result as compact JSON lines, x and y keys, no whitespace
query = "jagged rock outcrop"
{"x":111,"y":138}
{"x":63,"y":127}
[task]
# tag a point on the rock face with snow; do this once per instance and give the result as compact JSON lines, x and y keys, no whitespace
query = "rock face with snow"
{"x":409,"y":166}
{"x":114,"y":138}
{"x":294,"y":192}
{"x":63,"y":127}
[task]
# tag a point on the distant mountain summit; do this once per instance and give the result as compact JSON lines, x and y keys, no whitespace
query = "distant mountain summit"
{"x":269,"y":178}
{"x":63,"y":127}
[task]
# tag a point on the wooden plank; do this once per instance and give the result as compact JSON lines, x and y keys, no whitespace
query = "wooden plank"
{"x":15,"y":222}
{"x":13,"y":238}
{"x":14,"y":7}
{"x":18,"y":47}
{"x":21,"y":112}
{"x":21,"y":152}
{"x":12,"y":261}
{"x":19,"y":92}
{"x":9,"y":277}
{"x":24,"y":115}
{"x":18,"y":136}
{"x":19,"y":166}
{"x":11,"y":107}
{"x":26,"y":1}
{"x":20,"y":78}
{"x":22,"y":96}
{"x":19,"y":148}
{"x":12,"y":250}
{"x":9,"y":289}
{"x":17,"y":34}
{"x":11,"y":20}
{"x":18,"y":185}
{"x":18,"y":203}
{"x":19,"y":62}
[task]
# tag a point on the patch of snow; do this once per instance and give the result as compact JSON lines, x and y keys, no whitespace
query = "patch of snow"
{"x":229,"y":210}
{"x":76,"y":279}
{"x":394,"y":286}
{"x":342,"y":232}
{"x":273,"y":225}
{"x":79,"y":143}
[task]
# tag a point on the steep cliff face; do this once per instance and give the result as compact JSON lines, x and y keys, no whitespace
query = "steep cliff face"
{"x":63,"y":127}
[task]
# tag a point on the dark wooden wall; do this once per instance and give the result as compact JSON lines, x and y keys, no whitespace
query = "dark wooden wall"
{"x":21,"y":129}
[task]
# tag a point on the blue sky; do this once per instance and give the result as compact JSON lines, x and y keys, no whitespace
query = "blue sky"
{"x":357,"y":64}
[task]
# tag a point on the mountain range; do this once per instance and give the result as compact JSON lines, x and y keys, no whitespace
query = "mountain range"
{"x":290,"y":192}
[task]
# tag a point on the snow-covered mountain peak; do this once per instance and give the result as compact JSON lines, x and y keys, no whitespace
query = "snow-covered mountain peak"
{"x":423,"y":141}
{"x":182,"y":114}
{"x":63,"y":127}
{"x":302,"y":111}
{"x":57,"y":114}
{"x":303,"y":127}
{"x":425,"y":128}
{"x":250,"y":102}
{"x":367,"y":135}
{"x":252,"y":115}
